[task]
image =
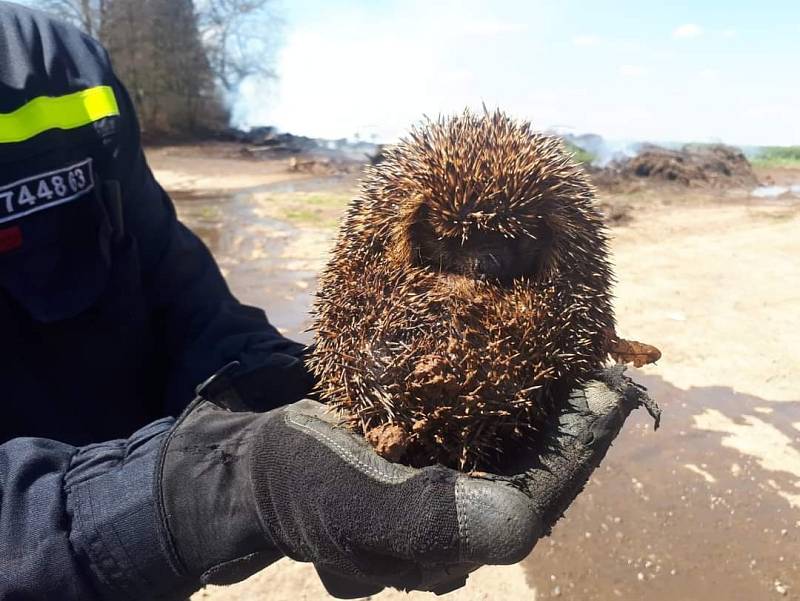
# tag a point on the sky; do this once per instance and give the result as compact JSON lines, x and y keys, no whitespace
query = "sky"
{"x":713,"y":70}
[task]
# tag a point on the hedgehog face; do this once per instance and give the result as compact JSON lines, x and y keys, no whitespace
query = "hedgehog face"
{"x":482,"y":254}
{"x":483,"y":197}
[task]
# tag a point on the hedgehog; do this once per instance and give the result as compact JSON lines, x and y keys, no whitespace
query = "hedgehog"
{"x":468,"y":291}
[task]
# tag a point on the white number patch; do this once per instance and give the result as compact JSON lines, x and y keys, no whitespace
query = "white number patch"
{"x":45,"y":190}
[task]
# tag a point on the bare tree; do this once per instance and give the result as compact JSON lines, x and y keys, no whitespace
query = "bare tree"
{"x":90,"y":15}
{"x":240,"y":38}
{"x":176,"y":56}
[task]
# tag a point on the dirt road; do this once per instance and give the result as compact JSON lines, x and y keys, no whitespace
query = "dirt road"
{"x":706,"y":508}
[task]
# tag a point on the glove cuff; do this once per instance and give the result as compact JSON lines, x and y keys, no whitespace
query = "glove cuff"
{"x":114,"y":518}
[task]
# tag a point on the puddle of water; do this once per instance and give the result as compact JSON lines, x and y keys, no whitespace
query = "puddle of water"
{"x":251,"y":252}
{"x":776,"y":191}
{"x":698,"y":510}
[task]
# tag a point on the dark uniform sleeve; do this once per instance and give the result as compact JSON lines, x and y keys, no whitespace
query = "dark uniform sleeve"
{"x":81,"y":523}
{"x":204,"y":327}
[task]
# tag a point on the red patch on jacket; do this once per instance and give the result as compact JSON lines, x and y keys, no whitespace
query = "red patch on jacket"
{"x":10,"y":239}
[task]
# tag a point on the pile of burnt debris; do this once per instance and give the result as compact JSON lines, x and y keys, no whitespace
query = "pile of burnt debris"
{"x":693,"y":165}
{"x":269,"y":140}
{"x":308,"y":155}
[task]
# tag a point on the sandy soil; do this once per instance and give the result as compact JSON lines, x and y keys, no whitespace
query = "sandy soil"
{"x":706,"y":508}
{"x":219,"y":167}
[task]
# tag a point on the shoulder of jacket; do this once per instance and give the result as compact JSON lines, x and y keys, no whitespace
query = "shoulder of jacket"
{"x":42,"y":56}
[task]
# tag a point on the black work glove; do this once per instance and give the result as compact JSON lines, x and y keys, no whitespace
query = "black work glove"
{"x":240,"y":489}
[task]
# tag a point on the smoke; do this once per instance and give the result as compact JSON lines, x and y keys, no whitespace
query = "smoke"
{"x":373,"y":69}
{"x":250,"y":103}
{"x":603,"y":151}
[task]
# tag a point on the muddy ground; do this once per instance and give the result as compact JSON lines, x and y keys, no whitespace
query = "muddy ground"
{"x":708,"y":507}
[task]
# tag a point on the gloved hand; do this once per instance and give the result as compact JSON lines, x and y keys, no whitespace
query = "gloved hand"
{"x":238,"y":490}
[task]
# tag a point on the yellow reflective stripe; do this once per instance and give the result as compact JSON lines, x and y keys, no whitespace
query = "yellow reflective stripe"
{"x":58,"y":112}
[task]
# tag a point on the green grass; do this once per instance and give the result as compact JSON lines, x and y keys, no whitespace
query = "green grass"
{"x":210,"y":213}
{"x":304,"y":216}
{"x":579,"y":154}
{"x":777,"y":156}
{"x":314,"y":199}
{"x":318,"y":209}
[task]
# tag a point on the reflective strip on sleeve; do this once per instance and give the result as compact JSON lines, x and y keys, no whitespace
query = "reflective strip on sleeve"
{"x":58,"y":112}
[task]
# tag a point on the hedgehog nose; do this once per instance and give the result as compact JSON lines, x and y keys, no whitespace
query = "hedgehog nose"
{"x":488,"y":265}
